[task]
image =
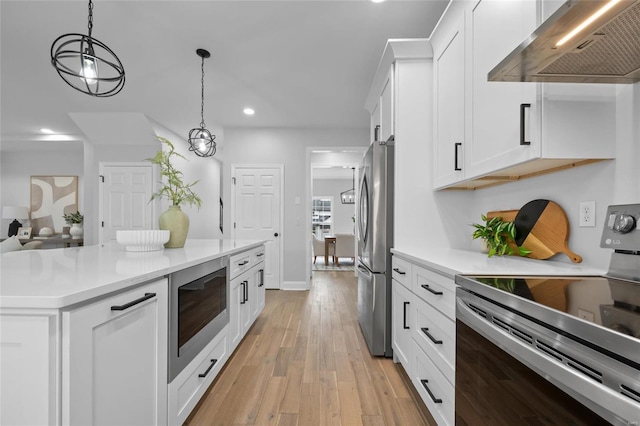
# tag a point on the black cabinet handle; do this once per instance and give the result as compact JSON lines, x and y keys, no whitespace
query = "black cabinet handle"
{"x":433,"y":397}
{"x":456,"y":166}
{"x":146,"y":296}
{"x":261,"y":277}
{"x":260,"y":254}
{"x":244,"y":288}
{"x":213,"y":362}
{"x":399,"y":271}
{"x":404,"y":316}
{"x":246,"y":291}
{"x":522,"y":120}
{"x":433,"y":339}
{"x":376,"y":133}
{"x":243,"y":263}
{"x":430,"y":290}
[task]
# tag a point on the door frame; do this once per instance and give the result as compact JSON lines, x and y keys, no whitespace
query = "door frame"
{"x":232,"y":207}
{"x":101,"y":171}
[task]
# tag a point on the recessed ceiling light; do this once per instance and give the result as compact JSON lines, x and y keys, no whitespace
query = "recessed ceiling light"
{"x":377,"y":1}
{"x":248,"y":111}
{"x":47,"y":131}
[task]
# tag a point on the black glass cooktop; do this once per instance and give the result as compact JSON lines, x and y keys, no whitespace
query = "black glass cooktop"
{"x":612,"y":303}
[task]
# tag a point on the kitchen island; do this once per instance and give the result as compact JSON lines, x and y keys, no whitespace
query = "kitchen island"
{"x":84,"y":330}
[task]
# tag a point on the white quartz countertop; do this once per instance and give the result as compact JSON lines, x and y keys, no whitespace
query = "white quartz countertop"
{"x":451,"y":262}
{"x":61,"y":277}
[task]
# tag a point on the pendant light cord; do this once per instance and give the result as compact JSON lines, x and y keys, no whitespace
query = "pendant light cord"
{"x":90,"y":25}
{"x":202,"y":125}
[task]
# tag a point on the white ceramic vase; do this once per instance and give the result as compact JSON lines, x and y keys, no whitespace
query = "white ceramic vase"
{"x":76,"y":231}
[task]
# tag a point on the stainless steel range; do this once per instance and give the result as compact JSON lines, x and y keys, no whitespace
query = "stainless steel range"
{"x":559,"y":350}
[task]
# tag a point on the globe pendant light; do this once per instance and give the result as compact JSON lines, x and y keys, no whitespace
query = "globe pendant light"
{"x":87,"y":64}
{"x":201,"y":141}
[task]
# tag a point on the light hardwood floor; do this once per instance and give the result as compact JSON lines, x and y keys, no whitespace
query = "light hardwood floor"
{"x":305,"y":362}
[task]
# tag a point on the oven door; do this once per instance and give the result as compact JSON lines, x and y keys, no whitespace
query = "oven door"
{"x":502,"y":379}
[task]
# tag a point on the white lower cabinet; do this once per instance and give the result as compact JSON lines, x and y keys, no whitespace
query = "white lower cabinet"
{"x":424,"y":334}
{"x":436,"y":391}
{"x":188,"y":387}
{"x":400,"y":324}
{"x":29,"y":366}
{"x":114,"y":359}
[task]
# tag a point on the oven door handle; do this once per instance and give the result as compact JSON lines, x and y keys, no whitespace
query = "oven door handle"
{"x":146,"y":296}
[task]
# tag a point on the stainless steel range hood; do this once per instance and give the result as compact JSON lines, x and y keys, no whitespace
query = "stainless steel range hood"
{"x":605,"y":51}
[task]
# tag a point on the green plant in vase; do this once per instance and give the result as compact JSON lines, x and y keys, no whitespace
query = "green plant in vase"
{"x":177,"y":192}
{"x":75,"y":220}
{"x":499,"y":236}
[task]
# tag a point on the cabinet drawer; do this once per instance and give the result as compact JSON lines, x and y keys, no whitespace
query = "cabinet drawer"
{"x":437,"y":290}
{"x":188,"y":387}
{"x":401,"y":271}
{"x":436,"y":391}
{"x":240,"y":262}
{"x":257,"y":255}
{"x":435,"y":334}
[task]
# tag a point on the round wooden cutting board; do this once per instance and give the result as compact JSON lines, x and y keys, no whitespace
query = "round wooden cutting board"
{"x":543,"y":227}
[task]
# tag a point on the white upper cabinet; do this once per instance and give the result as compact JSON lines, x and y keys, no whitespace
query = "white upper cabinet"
{"x":500,"y":110}
{"x":507,"y":130}
{"x":386,"y":108}
{"x":449,"y":51}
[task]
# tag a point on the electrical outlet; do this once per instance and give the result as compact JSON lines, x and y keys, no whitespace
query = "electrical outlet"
{"x":587,"y":214}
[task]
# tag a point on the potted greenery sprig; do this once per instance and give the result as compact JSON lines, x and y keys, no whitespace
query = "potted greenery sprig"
{"x":177,"y":192}
{"x":499,"y":235}
{"x":75,"y":220}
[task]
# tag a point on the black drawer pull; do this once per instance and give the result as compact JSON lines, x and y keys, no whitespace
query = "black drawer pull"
{"x":243,"y":263}
{"x":404,"y":316}
{"x":456,"y":166}
{"x":433,"y":339}
{"x":433,"y":397}
{"x":244,"y":288}
{"x":430,"y":290}
{"x":246,"y":291}
{"x":399,"y":271}
{"x":260,"y":254}
{"x":213,"y":362}
{"x":522,"y":120}
{"x":146,"y":296}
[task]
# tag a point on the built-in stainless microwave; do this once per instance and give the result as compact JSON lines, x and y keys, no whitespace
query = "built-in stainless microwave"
{"x":198,"y":310}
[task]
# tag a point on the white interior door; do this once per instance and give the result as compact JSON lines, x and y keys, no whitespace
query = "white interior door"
{"x":257,"y":213}
{"x":124,"y":202}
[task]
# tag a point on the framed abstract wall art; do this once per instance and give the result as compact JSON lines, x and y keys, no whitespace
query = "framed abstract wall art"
{"x":51,"y":197}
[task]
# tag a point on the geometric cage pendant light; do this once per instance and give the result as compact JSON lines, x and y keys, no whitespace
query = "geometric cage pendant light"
{"x":201,"y":141}
{"x":87,"y":64}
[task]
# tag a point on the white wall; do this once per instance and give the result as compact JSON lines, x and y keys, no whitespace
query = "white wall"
{"x":288,"y":147}
{"x":342,"y":213}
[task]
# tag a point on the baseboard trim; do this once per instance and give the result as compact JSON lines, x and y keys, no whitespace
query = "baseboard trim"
{"x":294,"y":285}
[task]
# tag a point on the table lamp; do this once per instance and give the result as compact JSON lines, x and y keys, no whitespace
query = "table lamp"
{"x":15,"y":213}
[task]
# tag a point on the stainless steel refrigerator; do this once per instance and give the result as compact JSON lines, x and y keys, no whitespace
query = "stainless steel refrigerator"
{"x":375,"y":239}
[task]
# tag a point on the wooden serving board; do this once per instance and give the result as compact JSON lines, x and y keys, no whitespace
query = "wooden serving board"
{"x":543,"y":227}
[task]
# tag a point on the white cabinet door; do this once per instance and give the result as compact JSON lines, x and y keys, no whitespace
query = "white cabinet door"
{"x":500,"y":109}
{"x":235,"y":322}
{"x":449,"y":111}
{"x":386,"y":108}
{"x":115,"y":359}
{"x":401,"y":324}
{"x":28,"y":362}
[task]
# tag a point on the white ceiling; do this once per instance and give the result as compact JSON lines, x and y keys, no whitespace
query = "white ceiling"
{"x":297,"y":63}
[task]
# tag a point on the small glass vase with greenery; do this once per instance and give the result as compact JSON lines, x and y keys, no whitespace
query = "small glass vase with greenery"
{"x":499,"y":235}
{"x":173,"y":188}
